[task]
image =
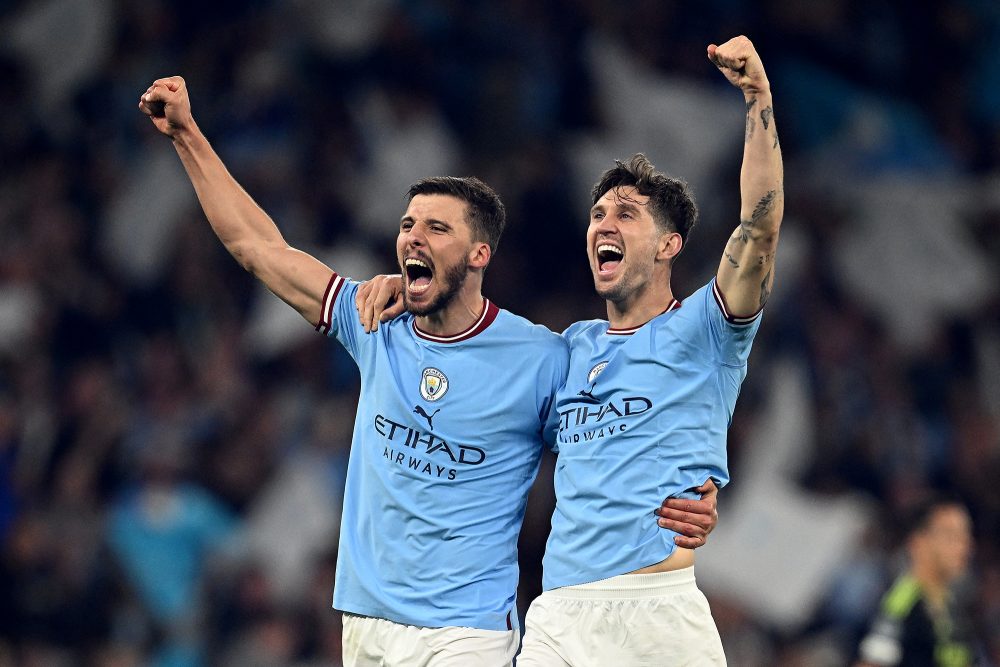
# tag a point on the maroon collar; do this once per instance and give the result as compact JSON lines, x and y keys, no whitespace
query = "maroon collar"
{"x":489,"y":314}
{"x":674,"y":305}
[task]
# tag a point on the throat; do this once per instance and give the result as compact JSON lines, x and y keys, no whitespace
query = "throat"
{"x":635,"y":310}
{"x":455,"y":319}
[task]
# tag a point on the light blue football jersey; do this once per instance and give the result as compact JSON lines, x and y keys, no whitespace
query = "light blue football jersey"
{"x":447,"y":441}
{"x":642,"y":417}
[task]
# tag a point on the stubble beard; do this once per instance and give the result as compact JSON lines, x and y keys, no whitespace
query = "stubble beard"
{"x":452,"y":280}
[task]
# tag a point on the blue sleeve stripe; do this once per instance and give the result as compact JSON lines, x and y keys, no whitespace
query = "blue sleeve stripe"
{"x":329,"y":298}
{"x":732,"y":319}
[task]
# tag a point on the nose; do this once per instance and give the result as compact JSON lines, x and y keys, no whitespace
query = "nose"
{"x":605,"y":225}
{"x":415,"y":237}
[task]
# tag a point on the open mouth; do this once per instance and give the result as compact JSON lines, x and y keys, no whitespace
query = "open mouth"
{"x":608,"y":257}
{"x":418,"y":275}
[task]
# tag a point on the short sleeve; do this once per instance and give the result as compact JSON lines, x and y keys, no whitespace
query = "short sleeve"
{"x":338,"y":317}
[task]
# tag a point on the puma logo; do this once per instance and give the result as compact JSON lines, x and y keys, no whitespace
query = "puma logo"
{"x":429,"y":417}
{"x":587,"y":394}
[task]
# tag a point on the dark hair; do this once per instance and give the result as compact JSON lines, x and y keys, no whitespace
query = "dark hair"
{"x":670,"y":200}
{"x":917,"y":517}
{"x":487,"y":215}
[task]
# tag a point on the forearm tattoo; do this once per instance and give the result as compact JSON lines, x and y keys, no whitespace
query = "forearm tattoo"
{"x":750,"y":120}
{"x":765,"y":116}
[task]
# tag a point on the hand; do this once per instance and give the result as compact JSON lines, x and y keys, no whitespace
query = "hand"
{"x":738,"y":60}
{"x":693,"y":519}
{"x":167,"y":105}
{"x":379,"y":300}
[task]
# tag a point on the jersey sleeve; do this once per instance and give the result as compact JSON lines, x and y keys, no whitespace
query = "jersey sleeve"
{"x":550,"y":381}
{"x":731,"y":337}
{"x":339,"y":319}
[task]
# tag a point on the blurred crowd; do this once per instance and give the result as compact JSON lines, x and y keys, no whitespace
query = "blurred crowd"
{"x":173,"y":440}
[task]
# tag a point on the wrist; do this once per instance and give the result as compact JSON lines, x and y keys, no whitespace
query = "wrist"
{"x":757,"y":90}
{"x":186,"y":135}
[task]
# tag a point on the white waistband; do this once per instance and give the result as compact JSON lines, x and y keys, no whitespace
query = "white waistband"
{"x":631,"y":586}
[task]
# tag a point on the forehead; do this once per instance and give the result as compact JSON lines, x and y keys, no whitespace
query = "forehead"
{"x":446,"y":208}
{"x":950,"y":517}
{"x":623,"y":196}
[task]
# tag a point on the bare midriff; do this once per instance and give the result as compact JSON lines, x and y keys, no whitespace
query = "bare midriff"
{"x":678,"y":560}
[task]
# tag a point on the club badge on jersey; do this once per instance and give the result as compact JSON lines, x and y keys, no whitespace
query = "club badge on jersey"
{"x":433,"y":384}
{"x":595,"y":371}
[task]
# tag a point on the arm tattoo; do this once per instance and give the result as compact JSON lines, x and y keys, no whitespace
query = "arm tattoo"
{"x":763,"y":206}
{"x":775,"y":146}
{"x":750,"y":121}
{"x":732,"y":261}
{"x":744,"y":233}
{"x":764,"y":259}
{"x":765,"y":116}
{"x":765,"y":289}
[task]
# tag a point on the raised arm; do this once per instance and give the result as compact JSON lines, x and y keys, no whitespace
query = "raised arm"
{"x":746,"y":271}
{"x":249,"y":235}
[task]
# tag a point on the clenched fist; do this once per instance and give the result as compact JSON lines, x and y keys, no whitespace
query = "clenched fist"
{"x":738,"y":61}
{"x":167,"y":105}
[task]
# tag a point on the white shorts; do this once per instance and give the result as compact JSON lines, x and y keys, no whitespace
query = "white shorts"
{"x":633,"y":620}
{"x":376,"y":642}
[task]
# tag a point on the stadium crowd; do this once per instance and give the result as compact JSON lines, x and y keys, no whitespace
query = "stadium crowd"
{"x":173,"y":442}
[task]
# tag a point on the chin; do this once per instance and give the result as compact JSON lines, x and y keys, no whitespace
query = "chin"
{"x":427,"y":305}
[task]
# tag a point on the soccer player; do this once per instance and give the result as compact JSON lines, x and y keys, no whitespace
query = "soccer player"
{"x":919,"y":622}
{"x":441,"y":459}
{"x":652,"y":388}
{"x":653,"y":385}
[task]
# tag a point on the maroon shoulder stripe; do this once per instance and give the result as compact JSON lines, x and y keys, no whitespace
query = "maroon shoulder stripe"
{"x":733,"y":319}
{"x":329,"y":298}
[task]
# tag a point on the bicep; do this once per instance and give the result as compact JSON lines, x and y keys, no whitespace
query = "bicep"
{"x":746,"y":271}
{"x":295,"y":277}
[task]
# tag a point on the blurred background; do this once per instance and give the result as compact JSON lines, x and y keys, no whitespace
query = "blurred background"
{"x":173,"y":439}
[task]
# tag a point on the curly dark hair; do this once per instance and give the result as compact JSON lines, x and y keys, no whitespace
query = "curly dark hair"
{"x":670,"y":200}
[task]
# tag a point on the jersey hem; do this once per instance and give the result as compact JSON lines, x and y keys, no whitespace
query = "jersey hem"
{"x":509,"y":622}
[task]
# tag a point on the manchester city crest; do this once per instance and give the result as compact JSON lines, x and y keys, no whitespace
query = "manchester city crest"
{"x":595,"y":371}
{"x":433,"y":384}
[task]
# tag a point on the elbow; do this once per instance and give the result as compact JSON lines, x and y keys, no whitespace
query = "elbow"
{"x":246,"y":255}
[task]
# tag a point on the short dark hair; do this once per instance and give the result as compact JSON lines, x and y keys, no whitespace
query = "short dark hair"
{"x":917,"y":517}
{"x":487,"y":215}
{"x":670,"y":200}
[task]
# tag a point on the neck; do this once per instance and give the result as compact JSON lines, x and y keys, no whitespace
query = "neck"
{"x":639,"y":307}
{"x":934,"y":586}
{"x":463,"y":311}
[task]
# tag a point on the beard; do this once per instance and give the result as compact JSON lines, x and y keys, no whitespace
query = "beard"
{"x":452,"y":279}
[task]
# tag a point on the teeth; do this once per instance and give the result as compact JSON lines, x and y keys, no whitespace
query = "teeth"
{"x":605,"y":247}
{"x":416,"y":262}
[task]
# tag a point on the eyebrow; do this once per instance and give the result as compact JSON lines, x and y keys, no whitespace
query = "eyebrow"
{"x":631,"y":208}
{"x":429,"y":221}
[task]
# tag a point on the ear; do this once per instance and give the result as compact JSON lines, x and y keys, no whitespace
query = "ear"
{"x":480,"y":255}
{"x":669,"y":246}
